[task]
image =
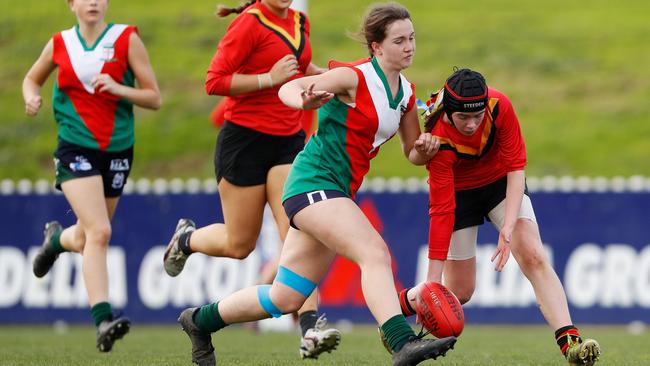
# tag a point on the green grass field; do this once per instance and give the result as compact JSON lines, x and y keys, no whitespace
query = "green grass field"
{"x":167,"y":345}
{"x":577,"y":75}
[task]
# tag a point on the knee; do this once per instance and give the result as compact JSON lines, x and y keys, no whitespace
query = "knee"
{"x":290,"y":303}
{"x":464,"y":296}
{"x":240,"y":252}
{"x":240,"y":248}
{"x":533,"y":260}
{"x":462,"y":293}
{"x":531,"y":255}
{"x":277,"y":301}
{"x":98,"y":235}
{"x":376,"y":255}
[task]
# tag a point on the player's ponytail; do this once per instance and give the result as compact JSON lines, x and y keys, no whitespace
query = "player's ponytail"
{"x":435,"y":109}
{"x":223,"y":11}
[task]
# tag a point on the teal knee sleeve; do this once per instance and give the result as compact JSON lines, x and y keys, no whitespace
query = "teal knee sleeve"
{"x":296,"y":282}
{"x":265,"y":301}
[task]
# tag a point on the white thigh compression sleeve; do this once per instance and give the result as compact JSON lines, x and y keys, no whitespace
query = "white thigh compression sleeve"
{"x":498,"y":214}
{"x":463,"y":244}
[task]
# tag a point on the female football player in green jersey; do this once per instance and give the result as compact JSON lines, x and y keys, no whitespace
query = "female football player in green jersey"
{"x":363,"y":105}
{"x":93,"y":99}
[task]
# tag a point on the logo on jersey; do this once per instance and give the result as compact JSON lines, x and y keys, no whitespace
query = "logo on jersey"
{"x":108,"y":53}
{"x":402,"y":109}
{"x":118,"y":181}
{"x":119,"y":165}
{"x":80,"y":164}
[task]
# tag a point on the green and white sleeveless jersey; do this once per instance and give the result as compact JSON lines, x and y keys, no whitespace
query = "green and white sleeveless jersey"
{"x":348,"y":136}
{"x":85,"y":116}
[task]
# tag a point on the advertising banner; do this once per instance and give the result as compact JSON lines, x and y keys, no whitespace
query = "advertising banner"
{"x":599,"y":245}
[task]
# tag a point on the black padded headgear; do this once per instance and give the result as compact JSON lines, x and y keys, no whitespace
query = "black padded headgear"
{"x":465,"y":91}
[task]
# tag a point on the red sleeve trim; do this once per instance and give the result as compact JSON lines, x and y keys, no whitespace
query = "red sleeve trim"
{"x":411,"y":101}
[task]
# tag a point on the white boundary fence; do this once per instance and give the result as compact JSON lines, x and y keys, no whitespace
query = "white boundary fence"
{"x":548,"y":183}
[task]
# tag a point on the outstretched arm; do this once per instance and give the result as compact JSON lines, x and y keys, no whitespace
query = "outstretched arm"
{"x":312,"y":92}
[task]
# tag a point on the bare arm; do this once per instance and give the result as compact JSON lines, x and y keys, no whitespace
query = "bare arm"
{"x":281,"y":71}
{"x":313,"y":91}
{"x":147,"y":94}
{"x":418,"y":147}
{"x":313,"y":69}
{"x":514,"y":195}
{"x":35,"y":78}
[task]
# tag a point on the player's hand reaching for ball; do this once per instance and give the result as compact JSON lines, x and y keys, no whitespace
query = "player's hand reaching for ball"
{"x":502,"y":252}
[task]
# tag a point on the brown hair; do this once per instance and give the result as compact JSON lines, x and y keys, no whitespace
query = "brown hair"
{"x":377,"y":21}
{"x":223,"y":11}
{"x":433,"y":118}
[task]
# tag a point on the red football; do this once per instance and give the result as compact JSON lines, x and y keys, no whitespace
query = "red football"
{"x":439,"y":310}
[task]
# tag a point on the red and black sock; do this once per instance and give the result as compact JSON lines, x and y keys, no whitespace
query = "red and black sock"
{"x":563,"y":335}
{"x":407,"y":309}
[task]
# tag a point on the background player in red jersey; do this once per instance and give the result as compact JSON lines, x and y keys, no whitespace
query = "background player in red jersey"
{"x":265,"y":46}
{"x":479,"y":173}
{"x":93,"y":106}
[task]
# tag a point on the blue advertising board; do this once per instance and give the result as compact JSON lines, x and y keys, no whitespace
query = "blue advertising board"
{"x":599,"y":245}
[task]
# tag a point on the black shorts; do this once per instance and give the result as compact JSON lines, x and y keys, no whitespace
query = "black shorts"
{"x":293,"y":205}
{"x":244,"y":156}
{"x":473,"y":205}
{"x":73,"y":161}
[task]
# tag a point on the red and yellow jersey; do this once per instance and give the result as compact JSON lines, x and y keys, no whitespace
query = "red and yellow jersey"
{"x":253,"y":43}
{"x":85,"y":116}
{"x":467,"y":162}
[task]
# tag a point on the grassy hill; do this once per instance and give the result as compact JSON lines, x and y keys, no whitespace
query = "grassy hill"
{"x":577,"y":73}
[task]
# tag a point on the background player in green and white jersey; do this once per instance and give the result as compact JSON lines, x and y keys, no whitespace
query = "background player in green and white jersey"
{"x":94,"y":94}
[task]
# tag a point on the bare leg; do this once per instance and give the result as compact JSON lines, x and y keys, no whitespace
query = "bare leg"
{"x":529,"y":252}
{"x":86,"y":196}
{"x":274,"y":189}
{"x":356,"y":239}
{"x":301,"y":254}
{"x":460,"y":278}
{"x":243,"y":211}
{"x":73,"y":237}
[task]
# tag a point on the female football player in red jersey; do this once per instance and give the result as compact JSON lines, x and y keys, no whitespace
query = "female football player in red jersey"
{"x":479,"y":173}
{"x":363,"y":105}
{"x":93,"y":105}
{"x":266,"y":45}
